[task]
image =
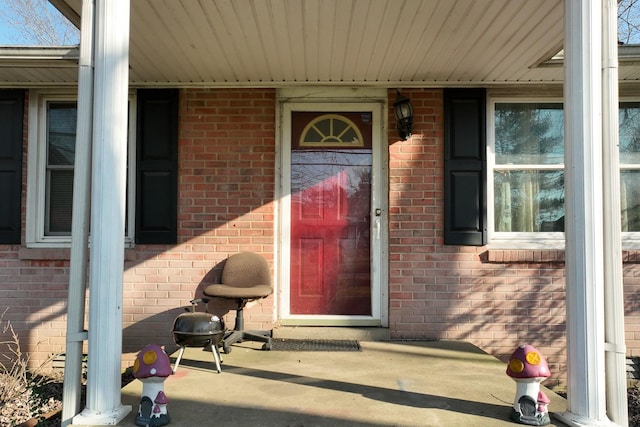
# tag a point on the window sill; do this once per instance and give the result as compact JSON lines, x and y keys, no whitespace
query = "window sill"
{"x":629,"y":241}
{"x":522,"y":256}
{"x":44,"y":254}
{"x":525,"y":241}
{"x":631,"y":256}
{"x":511,"y":256}
{"x":58,"y":254}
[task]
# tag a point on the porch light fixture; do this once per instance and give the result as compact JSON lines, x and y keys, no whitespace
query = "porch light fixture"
{"x":404,"y":115}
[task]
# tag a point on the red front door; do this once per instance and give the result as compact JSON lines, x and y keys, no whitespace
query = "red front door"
{"x":331,"y":161}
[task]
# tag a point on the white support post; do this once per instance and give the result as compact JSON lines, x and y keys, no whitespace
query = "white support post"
{"x":76,"y":335}
{"x":104,"y":405}
{"x":584,"y":215}
{"x":615,"y":350}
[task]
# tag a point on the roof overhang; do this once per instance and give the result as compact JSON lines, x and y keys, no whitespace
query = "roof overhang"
{"x":39,"y":57}
{"x":283,"y":43}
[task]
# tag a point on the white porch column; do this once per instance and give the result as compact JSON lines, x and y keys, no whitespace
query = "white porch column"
{"x":76,"y":335}
{"x":584,"y":214}
{"x":615,"y":349}
{"x":104,"y":405}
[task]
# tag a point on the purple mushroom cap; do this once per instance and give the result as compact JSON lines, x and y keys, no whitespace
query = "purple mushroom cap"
{"x":161,"y":398}
{"x":152,"y":361}
{"x":542,"y":398}
{"x":527,"y":362}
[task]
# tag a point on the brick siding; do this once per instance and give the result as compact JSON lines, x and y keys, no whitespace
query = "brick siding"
{"x":496,"y":299}
{"x":225,"y":205}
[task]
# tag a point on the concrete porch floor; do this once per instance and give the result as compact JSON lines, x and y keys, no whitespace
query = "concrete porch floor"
{"x":388,"y":383}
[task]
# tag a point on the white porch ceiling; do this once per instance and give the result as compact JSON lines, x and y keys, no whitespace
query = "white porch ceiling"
{"x":271,"y":43}
{"x":342,"y":41}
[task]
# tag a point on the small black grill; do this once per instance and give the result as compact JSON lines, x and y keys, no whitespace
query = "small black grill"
{"x":197,"y":329}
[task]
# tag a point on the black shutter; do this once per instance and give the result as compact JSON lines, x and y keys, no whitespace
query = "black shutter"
{"x":11,"y":117}
{"x":157,"y":166}
{"x":465,"y":183}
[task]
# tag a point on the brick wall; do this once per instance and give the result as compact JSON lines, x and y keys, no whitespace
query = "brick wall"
{"x":226,"y":190}
{"x":496,"y":299}
{"x":33,"y":289}
{"x":32,"y":300}
{"x":226,"y":205}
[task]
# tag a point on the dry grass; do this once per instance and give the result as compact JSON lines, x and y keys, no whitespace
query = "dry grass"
{"x":633,"y":397}
{"x":24,"y":393}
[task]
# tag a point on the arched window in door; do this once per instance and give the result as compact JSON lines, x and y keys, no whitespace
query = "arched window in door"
{"x":331,"y":130}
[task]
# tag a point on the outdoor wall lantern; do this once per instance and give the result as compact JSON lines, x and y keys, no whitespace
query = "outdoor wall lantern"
{"x":404,"y":115}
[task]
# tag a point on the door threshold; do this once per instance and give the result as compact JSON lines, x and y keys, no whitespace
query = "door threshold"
{"x":332,"y":333}
{"x":330,"y":320}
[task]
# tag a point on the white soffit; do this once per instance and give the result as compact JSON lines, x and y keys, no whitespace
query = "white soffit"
{"x":277,"y":43}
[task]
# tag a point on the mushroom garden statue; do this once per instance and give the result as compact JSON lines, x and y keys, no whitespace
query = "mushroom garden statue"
{"x":528,"y":368}
{"x":152,"y":367}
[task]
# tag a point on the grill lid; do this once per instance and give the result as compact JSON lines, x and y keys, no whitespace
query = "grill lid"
{"x":198,"y":323}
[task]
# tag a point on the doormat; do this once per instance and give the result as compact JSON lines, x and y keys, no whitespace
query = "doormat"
{"x":284,"y":344}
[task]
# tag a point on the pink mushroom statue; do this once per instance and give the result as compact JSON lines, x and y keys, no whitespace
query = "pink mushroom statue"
{"x":152,"y":367}
{"x":528,"y":368}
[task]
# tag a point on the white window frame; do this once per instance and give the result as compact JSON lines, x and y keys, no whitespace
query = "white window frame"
{"x":37,"y":167}
{"x":537,"y":240}
{"x":630,"y":239}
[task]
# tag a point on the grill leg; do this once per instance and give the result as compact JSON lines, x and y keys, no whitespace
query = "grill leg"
{"x":216,"y":357}
{"x":175,"y":367}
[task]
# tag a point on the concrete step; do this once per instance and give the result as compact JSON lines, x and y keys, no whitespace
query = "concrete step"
{"x":332,"y":333}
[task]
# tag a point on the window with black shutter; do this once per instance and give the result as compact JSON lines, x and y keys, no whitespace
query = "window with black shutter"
{"x":157,"y":166}
{"x":11,"y":118}
{"x":465,"y":181}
